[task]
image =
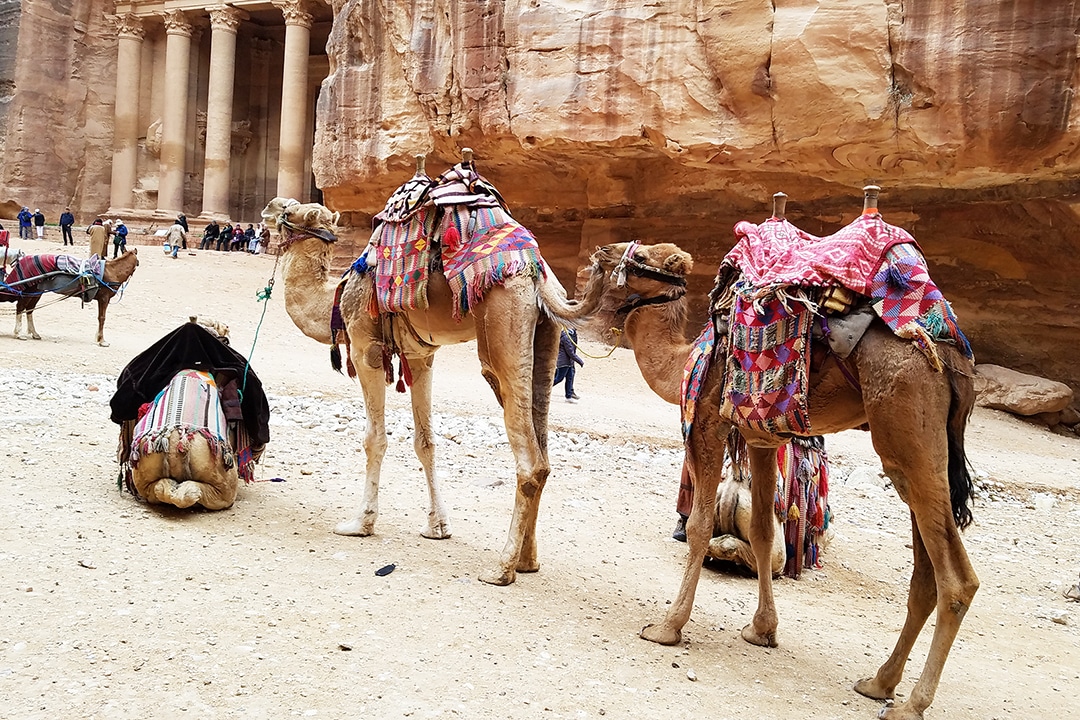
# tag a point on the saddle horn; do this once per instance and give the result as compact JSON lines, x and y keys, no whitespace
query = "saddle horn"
{"x":779,"y":204}
{"x":870,"y":198}
{"x":420,"y":161}
{"x":467,"y":157}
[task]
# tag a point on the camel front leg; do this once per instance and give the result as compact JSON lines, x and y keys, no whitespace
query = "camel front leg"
{"x":705,"y":466}
{"x":762,"y":631}
{"x":102,"y":306}
{"x":922,"y":596}
{"x":18,"y":325}
{"x":438,"y":521}
{"x":373,"y":384}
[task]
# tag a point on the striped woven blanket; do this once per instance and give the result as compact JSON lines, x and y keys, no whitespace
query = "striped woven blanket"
{"x":190,"y":404}
{"x":402,"y":268}
{"x":35,"y":266}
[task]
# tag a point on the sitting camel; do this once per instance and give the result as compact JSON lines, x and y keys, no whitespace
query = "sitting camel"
{"x":26,"y":296}
{"x":916,"y":416}
{"x":516,"y":326}
{"x":193,"y":441}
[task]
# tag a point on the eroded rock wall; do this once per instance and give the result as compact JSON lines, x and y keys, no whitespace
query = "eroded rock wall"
{"x":605,"y":121}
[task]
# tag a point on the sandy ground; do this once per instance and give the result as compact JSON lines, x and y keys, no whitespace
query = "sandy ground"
{"x":113,"y":609}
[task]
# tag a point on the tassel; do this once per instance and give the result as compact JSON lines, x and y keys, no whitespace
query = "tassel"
{"x":388,"y":365}
{"x":451,"y":239}
{"x":406,"y":371}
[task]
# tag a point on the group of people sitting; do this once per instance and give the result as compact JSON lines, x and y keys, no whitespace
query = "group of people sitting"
{"x":235,"y":238}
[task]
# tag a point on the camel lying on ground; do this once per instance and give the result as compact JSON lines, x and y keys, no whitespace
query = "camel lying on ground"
{"x":516,"y":326}
{"x":916,"y":417}
{"x":116,"y":272}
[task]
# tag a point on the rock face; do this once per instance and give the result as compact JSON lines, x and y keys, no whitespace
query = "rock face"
{"x":602,"y":121}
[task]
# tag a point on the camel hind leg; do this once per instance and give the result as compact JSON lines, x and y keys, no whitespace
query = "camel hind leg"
{"x":912,"y":441}
{"x":505,"y":337}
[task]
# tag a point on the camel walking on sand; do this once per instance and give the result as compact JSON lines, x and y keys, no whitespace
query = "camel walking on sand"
{"x":516,"y":326}
{"x":916,"y":416}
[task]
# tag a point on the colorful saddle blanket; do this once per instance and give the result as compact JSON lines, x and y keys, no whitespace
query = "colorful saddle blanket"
{"x":480,"y":244}
{"x":30,"y":267}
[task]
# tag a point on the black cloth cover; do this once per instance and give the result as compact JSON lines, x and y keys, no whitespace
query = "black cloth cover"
{"x":191,"y":346}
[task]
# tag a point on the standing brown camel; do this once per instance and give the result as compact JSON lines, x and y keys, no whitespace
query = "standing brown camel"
{"x":916,"y":417}
{"x":516,"y":327}
{"x":115,"y":274}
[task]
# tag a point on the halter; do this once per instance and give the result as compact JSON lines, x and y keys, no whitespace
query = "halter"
{"x":299,"y":231}
{"x":627,"y":264}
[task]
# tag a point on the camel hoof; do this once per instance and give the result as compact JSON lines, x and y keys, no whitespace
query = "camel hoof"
{"x":102,"y":343}
{"x":437,"y":531}
{"x":752,"y":636}
{"x":36,"y":336}
{"x":355,"y":528}
{"x":899,"y":712}
{"x":661,"y":635}
{"x":530,"y":566}
{"x":21,"y":337}
{"x":499,"y":576}
{"x":869,"y":687}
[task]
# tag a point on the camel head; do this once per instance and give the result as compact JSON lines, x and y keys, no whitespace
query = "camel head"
{"x":636,"y":275}
{"x":295,"y":220}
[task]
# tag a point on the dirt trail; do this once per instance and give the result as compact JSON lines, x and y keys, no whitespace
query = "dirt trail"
{"x":112,"y":609}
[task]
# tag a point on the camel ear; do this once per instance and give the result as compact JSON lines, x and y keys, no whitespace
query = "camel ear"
{"x":312,"y":217}
{"x":334,"y":218}
{"x":679,"y":263}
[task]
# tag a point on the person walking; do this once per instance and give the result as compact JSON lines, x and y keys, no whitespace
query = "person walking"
{"x":564,"y":366}
{"x":209,"y":235}
{"x":120,"y":233}
{"x":99,"y":239}
{"x":39,"y":223}
{"x":26,"y":219}
{"x":176,"y":238}
{"x":66,"y":221}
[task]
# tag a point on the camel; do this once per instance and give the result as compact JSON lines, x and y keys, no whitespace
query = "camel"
{"x":916,"y":417}
{"x":516,"y":326}
{"x":181,"y":447}
{"x":116,"y":272}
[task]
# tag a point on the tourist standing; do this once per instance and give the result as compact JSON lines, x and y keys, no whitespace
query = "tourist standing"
{"x":264,"y":239}
{"x":251,"y":238}
{"x":564,"y":366}
{"x":39,"y":223}
{"x":26,"y":219}
{"x":120,"y":233}
{"x":99,"y":239}
{"x":66,"y":221}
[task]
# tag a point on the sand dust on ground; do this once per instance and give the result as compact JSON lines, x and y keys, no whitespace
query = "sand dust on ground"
{"x":114,"y":609}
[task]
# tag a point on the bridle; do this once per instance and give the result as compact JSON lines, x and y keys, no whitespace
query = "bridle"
{"x":297,"y":232}
{"x":629,"y":266}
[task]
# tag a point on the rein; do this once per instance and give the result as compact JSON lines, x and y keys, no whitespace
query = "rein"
{"x":298,"y":231}
{"x":628,"y":265}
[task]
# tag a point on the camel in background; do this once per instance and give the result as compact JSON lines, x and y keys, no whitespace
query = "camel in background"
{"x":116,"y":272}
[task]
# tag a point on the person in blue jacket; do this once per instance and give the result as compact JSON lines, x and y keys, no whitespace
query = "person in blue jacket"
{"x":564,"y":366}
{"x":26,"y":219}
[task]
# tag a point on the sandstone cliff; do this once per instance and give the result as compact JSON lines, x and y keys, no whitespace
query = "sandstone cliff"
{"x":604,"y":121}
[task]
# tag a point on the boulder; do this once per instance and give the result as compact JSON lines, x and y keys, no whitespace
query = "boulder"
{"x":1019,"y":393}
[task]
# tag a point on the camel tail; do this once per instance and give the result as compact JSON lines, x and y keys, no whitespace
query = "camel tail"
{"x":961,"y":485}
{"x":551,"y":296}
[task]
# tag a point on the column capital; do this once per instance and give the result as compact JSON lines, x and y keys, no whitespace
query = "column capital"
{"x":177,"y":23}
{"x":129,"y":26}
{"x":295,"y":12}
{"x":224,"y":17}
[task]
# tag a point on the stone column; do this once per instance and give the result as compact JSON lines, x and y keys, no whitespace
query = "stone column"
{"x":174,"y":116}
{"x":224,"y":21}
{"x":291,"y":182}
{"x":130,"y":31}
